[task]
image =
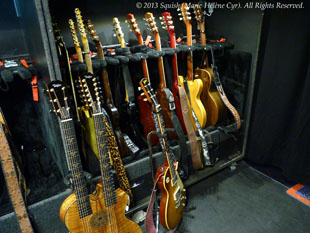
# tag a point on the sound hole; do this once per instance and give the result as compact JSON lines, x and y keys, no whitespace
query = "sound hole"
{"x":99,"y":220}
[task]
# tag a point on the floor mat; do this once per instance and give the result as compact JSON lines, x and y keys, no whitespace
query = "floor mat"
{"x":301,"y":193}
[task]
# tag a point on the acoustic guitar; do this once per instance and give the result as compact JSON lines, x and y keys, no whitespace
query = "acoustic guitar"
{"x":103,"y":210}
{"x":168,"y":25}
{"x":195,"y":86}
{"x":145,"y":113}
{"x":126,"y":146}
{"x":160,"y":93}
{"x":215,"y":108}
{"x":173,"y":193}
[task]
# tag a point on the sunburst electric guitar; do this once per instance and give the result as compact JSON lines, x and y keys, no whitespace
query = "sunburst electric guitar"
{"x":195,"y":86}
{"x":173,"y":193}
{"x":215,"y":108}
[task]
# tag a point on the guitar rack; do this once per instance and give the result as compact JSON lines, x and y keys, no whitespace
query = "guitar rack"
{"x":34,"y":18}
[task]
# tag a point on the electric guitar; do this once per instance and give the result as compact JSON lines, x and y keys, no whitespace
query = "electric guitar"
{"x":129,"y":110}
{"x":195,"y":86}
{"x":167,"y":21}
{"x":115,"y":200}
{"x":173,"y":193}
{"x":126,"y":145}
{"x":145,"y":113}
{"x":160,"y":93}
{"x":210,"y":97}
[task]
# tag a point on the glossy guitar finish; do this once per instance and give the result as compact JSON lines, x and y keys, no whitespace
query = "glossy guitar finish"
{"x":160,"y":93}
{"x":195,"y":86}
{"x":215,"y":108}
{"x":169,"y":215}
{"x":103,"y":219}
{"x":167,"y":18}
{"x":145,"y":113}
{"x":173,"y":193}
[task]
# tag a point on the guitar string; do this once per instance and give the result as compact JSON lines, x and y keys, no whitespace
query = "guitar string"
{"x":66,"y":141}
{"x":107,"y":172}
{"x":71,"y":147}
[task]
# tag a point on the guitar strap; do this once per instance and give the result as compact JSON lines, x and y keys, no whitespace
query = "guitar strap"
{"x":193,"y":140}
{"x":204,"y":144}
{"x":178,"y":128}
{"x":223,"y":96}
{"x":11,"y":179}
{"x":116,"y":157}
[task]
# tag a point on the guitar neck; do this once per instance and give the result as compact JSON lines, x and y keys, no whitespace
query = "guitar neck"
{"x":203,"y":37}
{"x":99,"y":50}
{"x":190,"y":53}
{"x":75,"y":165}
{"x":160,"y":126}
{"x":87,"y":56}
{"x":161,"y":70}
{"x":174,"y":58}
{"x":104,"y":159}
{"x":144,"y":62}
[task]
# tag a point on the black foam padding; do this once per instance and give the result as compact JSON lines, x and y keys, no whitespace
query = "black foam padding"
{"x":7,"y":75}
{"x":122,"y":51}
{"x":78,"y":67}
{"x":169,"y":51}
{"x":22,"y":72}
{"x":98,"y":65}
{"x":122,"y":59}
{"x":112,"y":61}
{"x":139,"y":49}
{"x":182,"y":48}
{"x":137,"y":57}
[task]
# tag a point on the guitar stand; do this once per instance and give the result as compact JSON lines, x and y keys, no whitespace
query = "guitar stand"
{"x":68,"y":178}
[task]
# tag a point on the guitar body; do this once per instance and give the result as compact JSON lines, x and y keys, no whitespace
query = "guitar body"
{"x":98,"y":221}
{"x":210,"y":97}
{"x":169,"y":215}
{"x":195,"y":88}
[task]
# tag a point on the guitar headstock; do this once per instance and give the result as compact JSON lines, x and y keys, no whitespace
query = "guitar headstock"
{"x":73,"y":33}
{"x":91,"y":31}
{"x":133,"y":24}
{"x":151,"y":23}
{"x":91,"y":94}
{"x":167,"y":21}
{"x":118,"y":32}
{"x":59,"y":100}
{"x":80,"y":24}
{"x":149,"y":93}
{"x":185,"y":14}
{"x":198,"y":13}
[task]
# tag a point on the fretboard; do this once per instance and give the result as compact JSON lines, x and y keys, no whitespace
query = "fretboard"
{"x":75,"y":165}
{"x":165,"y":145}
{"x":190,"y":53}
{"x":104,"y":159}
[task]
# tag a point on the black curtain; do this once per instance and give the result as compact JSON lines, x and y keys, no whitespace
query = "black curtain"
{"x":280,"y":124}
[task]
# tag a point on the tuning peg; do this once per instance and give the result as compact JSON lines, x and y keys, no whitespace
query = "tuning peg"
{"x":178,"y":9}
{"x":162,"y":22}
{"x":130,"y":30}
{"x":164,"y":27}
{"x":126,"y":21}
{"x":161,"y":18}
{"x":139,"y":88}
{"x":142,"y":94}
{"x":181,"y":18}
{"x":179,"y":13}
{"x":145,"y":99}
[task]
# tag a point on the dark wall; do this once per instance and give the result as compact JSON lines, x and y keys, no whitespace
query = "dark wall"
{"x":12,"y":40}
{"x":280,"y":123}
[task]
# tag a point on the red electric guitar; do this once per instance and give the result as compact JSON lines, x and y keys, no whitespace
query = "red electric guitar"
{"x":160,"y":93}
{"x":167,"y":18}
